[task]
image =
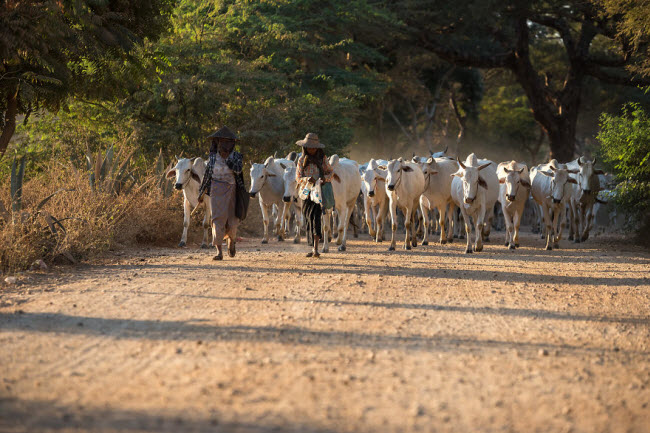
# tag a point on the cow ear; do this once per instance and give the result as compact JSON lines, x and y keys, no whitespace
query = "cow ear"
{"x":573,"y":171}
{"x":571,"y":180}
{"x":457,"y":174}
{"x":269,"y":174}
{"x":171,"y":173}
{"x":546,"y":173}
{"x":432,"y":171}
{"x":502,"y":180}
{"x":482,"y":182}
{"x":598,"y":171}
{"x":525,"y":183}
{"x":336,"y":177}
{"x":195,"y":176}
{"x":407,"y":169}
{"x":430,"y":160}
{"x":383,"y":179}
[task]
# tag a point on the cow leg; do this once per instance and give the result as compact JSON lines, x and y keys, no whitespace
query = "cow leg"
{"x":450,"y":222}
{"x":298,"y":221}
{"x":266,"y":210}
{"x":442,"y":219}
{"x":327,"y":228}
{"x":508,"y":242}
{"x":187,"y":211}
{"x":549,"y":229}
{"x":479,"y":229}
{"x":414,"y":238}
{"x":381,"y":218}
{"x":408,"y":226}
{"x":516,"y":222}
{"x":393,"y":226}
{"x":487,"y":225}
{"x":370,"y":215}
{"x":589,"y":221}
{"x":557,"y":227}
{"x":425,"y":222}
{"x":343,"y":236}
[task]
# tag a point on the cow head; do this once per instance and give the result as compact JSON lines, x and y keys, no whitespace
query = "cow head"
{"x":560,"y":182}
{"x":396,"y":168}
{"x":373,"y":176}
{"x":429,"y":167}
{"x":290,"y":183}
{"x":259,"y":174}
{"x":513,"y":181}
{"x":588,"y":176}
{"x":471,"y":179}
{"x":184,"y":173}
{"x":438,"y":154}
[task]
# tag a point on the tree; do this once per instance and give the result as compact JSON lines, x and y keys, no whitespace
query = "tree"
{"x":51,"y":50}
{"x":519,"y":36}
{"x":625,"y":149}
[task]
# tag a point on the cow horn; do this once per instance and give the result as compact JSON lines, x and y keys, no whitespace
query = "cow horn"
{"x":460,"y":163}
{"x":552,"y":167}
{"x":445,"y":151}
{"x":506,"y":170}
{"x":522,"y":170}
{"x":481,"y":167}
{"x":594,"y":161}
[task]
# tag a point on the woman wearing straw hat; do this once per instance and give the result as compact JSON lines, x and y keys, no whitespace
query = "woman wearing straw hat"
{"x":223,"y":176}
{"x":314,"y":166}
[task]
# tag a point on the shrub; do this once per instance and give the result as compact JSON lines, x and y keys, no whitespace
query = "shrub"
{"x":625,"y":141}
{"x":81,"y":221}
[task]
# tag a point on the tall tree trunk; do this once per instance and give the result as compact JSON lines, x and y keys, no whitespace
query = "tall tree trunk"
{"x":10,"y":121}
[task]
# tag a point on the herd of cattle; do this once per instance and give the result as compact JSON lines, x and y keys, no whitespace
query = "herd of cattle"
{"x":453,"y":191}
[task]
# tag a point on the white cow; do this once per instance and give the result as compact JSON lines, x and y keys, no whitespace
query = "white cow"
{"x":404,"y":186}
{"x":266,"y":179}
{"x":189,"y":175}
{"x":474,"y":189}
{"x":292,"y":205}
{"x":514,"y":190}
{"x":437,"y":194}
{"x":551,"y":189}
{"x":583,"y":198}
{"x":375,"y":199}
{"x":346,"y":184}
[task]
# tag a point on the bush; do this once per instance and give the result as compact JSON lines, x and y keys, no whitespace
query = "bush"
{"x":625,"y":141}
{"x":78,"y":223}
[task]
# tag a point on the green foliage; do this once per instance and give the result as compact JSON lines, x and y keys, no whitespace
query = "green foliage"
{"x":625,"y":142}
{"x":51,"y":50}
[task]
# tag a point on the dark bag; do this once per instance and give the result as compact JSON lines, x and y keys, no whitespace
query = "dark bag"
{"x":242,"y":199}
{"x":328,"y":195}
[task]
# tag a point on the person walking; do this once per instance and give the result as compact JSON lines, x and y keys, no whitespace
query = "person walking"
{"x":223,"y":176}
{"x":313,"y":168}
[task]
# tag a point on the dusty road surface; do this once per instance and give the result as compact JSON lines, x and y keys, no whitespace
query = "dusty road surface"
{"x":166,"y":340}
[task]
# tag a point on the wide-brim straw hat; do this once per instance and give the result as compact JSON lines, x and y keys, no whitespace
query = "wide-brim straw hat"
{"x":310,"y":141}
{"x":224,"y":133}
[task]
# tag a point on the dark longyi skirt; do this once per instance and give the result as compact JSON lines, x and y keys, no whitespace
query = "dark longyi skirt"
{"x":312,"y":212}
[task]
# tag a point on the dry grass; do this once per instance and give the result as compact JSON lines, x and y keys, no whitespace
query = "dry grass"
{"x":93,"y":221}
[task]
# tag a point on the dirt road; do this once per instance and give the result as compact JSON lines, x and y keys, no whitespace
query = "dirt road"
{"x":166,"y":340}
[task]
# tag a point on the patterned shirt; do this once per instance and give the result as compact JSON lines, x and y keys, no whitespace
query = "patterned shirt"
{"x":312,"y":171}
{"x":235,"y":162}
